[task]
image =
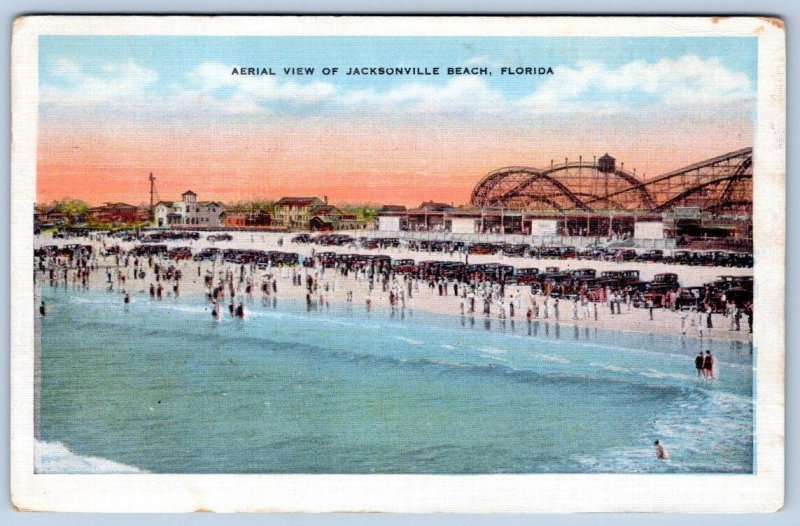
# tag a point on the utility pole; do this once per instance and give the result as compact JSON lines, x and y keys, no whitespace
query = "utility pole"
{"x":152,"y":193}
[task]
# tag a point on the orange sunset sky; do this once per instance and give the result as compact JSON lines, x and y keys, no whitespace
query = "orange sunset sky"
{"x":108,"y":119}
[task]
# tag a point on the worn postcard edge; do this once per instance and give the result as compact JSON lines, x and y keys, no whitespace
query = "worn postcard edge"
{"x":761,"y":492}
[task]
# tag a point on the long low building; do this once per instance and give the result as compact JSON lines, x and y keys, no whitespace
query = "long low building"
{"x":677,"y":227}
{"x":438,"y":217}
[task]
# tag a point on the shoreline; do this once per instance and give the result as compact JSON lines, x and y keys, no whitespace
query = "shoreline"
{"x":607,"y":324}
{"x":422,"y":299}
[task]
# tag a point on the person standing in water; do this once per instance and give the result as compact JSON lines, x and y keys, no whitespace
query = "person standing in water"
{"x":42,"y":309}
{"x":661,"y":451}
{"x":698,"y":363}
{"x":708,"y":365}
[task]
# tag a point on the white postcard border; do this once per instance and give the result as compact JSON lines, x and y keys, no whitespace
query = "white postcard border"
{"x":761,"y":492}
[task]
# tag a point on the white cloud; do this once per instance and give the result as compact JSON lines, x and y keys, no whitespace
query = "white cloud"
{"x":68,"y":70}
{"x":212,"y":76}
{"x":458,"y":94}
{"x":118,"y":83}
{"x":478,"y":60}
{"x":687,"y":81}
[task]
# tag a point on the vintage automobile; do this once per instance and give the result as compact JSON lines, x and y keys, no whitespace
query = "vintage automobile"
{"x":497,"y":272}
{"x":584,"y":274}
{"x":624,"y":278}
{"x":742,"y":260}
{"x":738,"y":289}
{"x":568,"y":253}
{"x":515,"y":250}
{"x":481,"y":248}
{"x":180,"y":253}
{"x":378,"y":260}
{"x":655,"y":293}
{"x":549,"y":253}
{"x":326,"y":259}
{"x":278,"y":258}
{"x":680,"y":257}
{"x":666,"y":278}
{"x":403,"y":266}
{"x":334,"y":240}
{"x":651,"y":256}
{"x":627,"y":254}
{"x":206,"y":254}
{"x":148,"y":250}
{"x":689,"y":298}
{"x":527,"y":276}
{"x":220,"y":237}
{"x":451,"y":270}
{"x":597,"y":254}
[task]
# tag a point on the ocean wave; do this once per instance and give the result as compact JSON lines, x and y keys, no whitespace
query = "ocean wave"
{"x":495,"y":358}
{"x":549,"y":358}
{"x":55,"y":457}
{"x":408,"y":340}
{"x":494,"y":351}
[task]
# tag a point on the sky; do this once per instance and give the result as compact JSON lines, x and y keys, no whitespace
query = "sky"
{"x":112,"y":109}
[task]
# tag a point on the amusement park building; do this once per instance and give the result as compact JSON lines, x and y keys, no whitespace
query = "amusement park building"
{"x":599,"y":197}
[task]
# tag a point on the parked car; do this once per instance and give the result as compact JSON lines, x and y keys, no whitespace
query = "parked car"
{"x":180,"y":253}
{"x":403,"y":266}
{"x":481,"y":248}
{"x":527,"y":276}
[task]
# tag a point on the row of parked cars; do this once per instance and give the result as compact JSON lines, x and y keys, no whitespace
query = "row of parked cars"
{"x":71,"y":251}
{"x":563,"y":283}
{"x":678,"y":257}
{"x":523,"y":250}
{"x":261,"y":258}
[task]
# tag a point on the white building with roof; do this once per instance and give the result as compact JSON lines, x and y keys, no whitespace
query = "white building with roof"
{"x":189,"y":212}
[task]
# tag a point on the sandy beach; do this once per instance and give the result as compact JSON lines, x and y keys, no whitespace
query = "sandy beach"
{"x":423,"y":298}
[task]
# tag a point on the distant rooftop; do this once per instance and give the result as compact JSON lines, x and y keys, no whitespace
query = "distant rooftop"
{"x":298,"y":201}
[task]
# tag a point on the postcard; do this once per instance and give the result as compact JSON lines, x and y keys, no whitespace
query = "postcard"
{"x":398,"y":264}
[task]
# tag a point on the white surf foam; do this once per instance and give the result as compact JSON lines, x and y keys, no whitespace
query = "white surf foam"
{"x":408,"y":340}
{"x":55,"y":457}
{"x":549,"y":358}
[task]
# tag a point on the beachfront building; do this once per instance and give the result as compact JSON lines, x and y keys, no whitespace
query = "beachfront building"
{"x":117,"y":213}
{"x":542,"y":224}
{"x":329,"y":217}
{"x":252,"y":219}
{"x":295,"y":212}
{"x":51,"y":217}
{"x":189,"y":212}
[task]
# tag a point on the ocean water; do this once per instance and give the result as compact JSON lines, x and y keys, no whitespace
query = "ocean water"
{"x":159,"y":386}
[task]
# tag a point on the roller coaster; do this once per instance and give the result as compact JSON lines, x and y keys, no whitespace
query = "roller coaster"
{"x":722,"y":184}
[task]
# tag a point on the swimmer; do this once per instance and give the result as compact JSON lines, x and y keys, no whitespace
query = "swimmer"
{"x":42,"y":309}
{"x":661,"y":451}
